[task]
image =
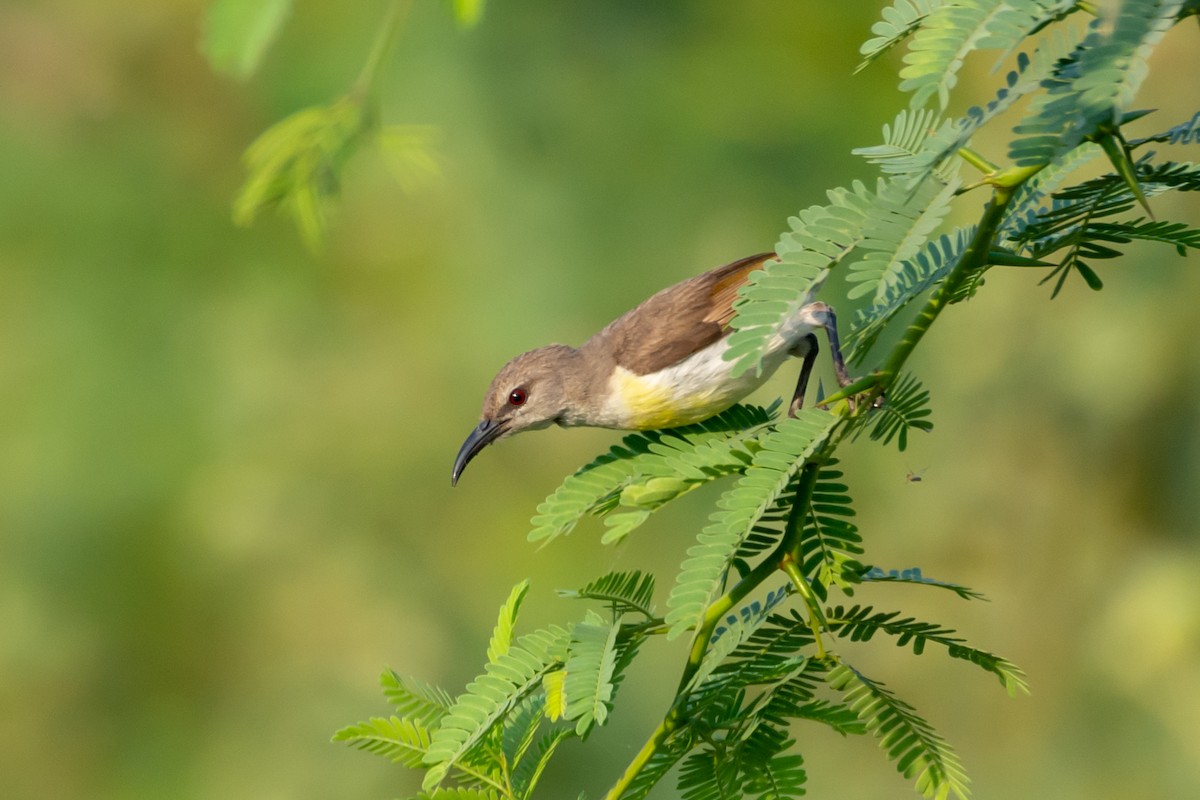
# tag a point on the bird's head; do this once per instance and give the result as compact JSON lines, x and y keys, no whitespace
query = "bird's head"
{"x":528,"y":393}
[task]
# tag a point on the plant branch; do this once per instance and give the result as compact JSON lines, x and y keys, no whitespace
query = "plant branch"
{"x":974,"y":258}
{"x":976,"y":160}
{"x":368,"y":80}
{"x":785,"y":553}
{"x":786,"y":556}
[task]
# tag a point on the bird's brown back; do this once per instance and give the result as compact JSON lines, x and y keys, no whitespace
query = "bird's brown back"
{"x":678,"y":321}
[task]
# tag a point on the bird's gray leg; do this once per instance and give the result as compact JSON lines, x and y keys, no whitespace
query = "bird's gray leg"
{"x":821,"y":315}
{"x":806,"y":347}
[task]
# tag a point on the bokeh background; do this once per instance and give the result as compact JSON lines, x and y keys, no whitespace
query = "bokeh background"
{"x":224,"y":460}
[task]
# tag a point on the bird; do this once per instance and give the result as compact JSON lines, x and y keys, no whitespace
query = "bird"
{"x":659,"y":365}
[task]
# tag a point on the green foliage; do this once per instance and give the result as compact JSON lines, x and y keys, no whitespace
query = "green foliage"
{"x":458,"y":794}
{"x":899,"y":22}
{"x":529,"y":768}
{"x":917,"y":276}
{"x":1073,"y":222}
{"x":296,"y":165}
{"x":623,"y":591}
{"x":404,"y":741}
{"x":733,"y":632}
{"x":415,"y":700}
{"x":914,"y":576}
{"x":907,"y":148}
{"x":487,"y":699}
{"x":907,"y":407}
{"x":860,"y":623}
{"x":503,"y":632}
{"x":902,"y":219}
{"x":904,"y":735}
{"x":1090,"y":90}
{"x":820,"y":237}
{"x":940,"y":45}
{"x":686,"y":457}
{"x":784,"y":452}
{"x":764,"y":657}
{"x":772,"y":652}
{"x":829,"y":541}
{"x":590,"y":666}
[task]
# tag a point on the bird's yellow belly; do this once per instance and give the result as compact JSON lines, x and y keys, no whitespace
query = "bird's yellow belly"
{"x":691,"y":391}
{"x":648,"y":405}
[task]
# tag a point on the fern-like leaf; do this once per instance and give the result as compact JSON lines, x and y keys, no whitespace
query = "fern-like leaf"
{"x":914,"y":278}
{"x":709,"y":775}
{"x":900,"y":221}
{"x":750,"y":759}
{"x":505,"y":682}
{"x":899,"y":22}
{"x":837,"y":716}
{"x":917,"y":750}
{"x":734,"y":630}
{"x":1016,"y":20}
{"x":1184,"y":133}
{"x":911,"y":143}
{"x":1027,"y":78}
{"x":529,"y":768}
{"x":938,"y":49}
{"x":458,"y":794}
{"x":404,"y":741}
{"x":656,"y":768}
{"x":591,"y":660}
{"x":769,"y":772}
{"x":860,"y":623}
{"x":1024,"y":209}
{"x":1177,"y":234}
{"x":784,"y":452}
{"x":780,"y":777}
{"x":623,"y":591}
{"x":678,"y":463}
{"x":906,"y":408}
{"x":818,"y":239}
{"x":1072,"y":222}
{"x":554,"y":687}
{"x":913,"y":575}
{"x":415,"y":700}
{"x":769,"y":653}
{"x":503,"y":632}
{"x":520,"y":728}
{"x":1092,"y":89}
{"x":597,"y":487}
{"x":829,"y":542}
{"x":1099,"y":198}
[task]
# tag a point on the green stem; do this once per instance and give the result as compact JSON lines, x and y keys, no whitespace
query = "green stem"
{"x":639,"y":762}
{"x":816,"y":619}
{"x":368,"y":80}
{"x":974,"y":258}
{"x":850,"y":390}
{"x":975,"y":160}
{"x":784,"y":553}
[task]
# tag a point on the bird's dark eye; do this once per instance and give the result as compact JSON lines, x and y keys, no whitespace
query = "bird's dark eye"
{"x":517,"y":397}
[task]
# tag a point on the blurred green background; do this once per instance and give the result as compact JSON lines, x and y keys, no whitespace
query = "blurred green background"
{"x":224,"y":462}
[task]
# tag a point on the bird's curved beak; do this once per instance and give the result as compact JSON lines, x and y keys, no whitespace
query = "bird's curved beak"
{"x":484,"y":434}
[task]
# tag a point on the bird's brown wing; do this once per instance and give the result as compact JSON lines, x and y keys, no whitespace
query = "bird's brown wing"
{"x":679,"y":320}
